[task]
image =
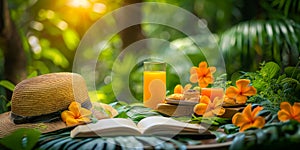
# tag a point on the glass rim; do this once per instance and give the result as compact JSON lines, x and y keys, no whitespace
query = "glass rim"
{"x":155,"y":66}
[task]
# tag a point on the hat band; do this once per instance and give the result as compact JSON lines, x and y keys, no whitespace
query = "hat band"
{"x":17,"y":119}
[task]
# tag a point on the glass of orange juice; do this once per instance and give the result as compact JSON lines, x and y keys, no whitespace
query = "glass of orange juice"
{"x":154,"y":83}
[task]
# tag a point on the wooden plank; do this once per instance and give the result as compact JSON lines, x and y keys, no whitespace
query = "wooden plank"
{"x":187,"y":110}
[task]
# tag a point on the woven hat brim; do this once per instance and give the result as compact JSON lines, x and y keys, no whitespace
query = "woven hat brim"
{"x":7,"y":126}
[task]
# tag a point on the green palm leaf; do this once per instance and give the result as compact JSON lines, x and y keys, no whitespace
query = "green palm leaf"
{"x":276,"y":135}
{"x":64,"y":141}
{"x":129,"y":143}
{"x":287,"y":6}
{"x":251,"y":42}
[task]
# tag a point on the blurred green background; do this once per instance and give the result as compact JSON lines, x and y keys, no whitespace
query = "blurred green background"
{"x":39,"y":37}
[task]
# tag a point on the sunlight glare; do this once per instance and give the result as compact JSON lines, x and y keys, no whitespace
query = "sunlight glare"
{"x":37,"y":25}
{"x":79,"y":3}
{"x":50,"y":14}
{"x":62,"y":25}
{"x":99,"y":8}
{"x":35,"y":44}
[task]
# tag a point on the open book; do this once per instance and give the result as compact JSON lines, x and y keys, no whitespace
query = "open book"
{"x":155,"y":125}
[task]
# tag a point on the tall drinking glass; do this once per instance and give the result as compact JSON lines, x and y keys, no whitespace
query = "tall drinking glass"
{"x":154,"y":83}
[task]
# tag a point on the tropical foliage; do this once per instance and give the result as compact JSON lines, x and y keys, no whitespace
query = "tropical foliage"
{"x":272,"y":36}
{"x":274,"y":87}
{"x":259,"y":41}
{"x":277,"y":136}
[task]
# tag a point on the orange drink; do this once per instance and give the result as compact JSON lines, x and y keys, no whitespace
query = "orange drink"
{"x":154,"y":84}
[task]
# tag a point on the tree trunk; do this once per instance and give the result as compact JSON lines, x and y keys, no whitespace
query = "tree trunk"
{"x":133,"y":33}
{"x":12,"y":47}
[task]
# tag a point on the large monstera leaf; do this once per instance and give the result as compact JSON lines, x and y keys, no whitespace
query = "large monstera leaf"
{"x":247,"y":44}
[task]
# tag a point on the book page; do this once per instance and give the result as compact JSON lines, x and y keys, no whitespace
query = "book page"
{"x":107,"y":127}
{"x":165,"y":125}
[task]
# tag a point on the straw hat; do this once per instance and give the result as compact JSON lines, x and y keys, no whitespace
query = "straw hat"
{"x":38,"y":102}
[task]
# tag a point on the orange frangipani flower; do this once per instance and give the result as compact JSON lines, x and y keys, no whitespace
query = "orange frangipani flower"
{"x":180,"y":90}
{"x":75,"y":115}
{"x":288,"y":112}
{"x":248,"y":118}
{"x":240,"y":92}
{"x":209,"y":108}
{"x":202,"y":74}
